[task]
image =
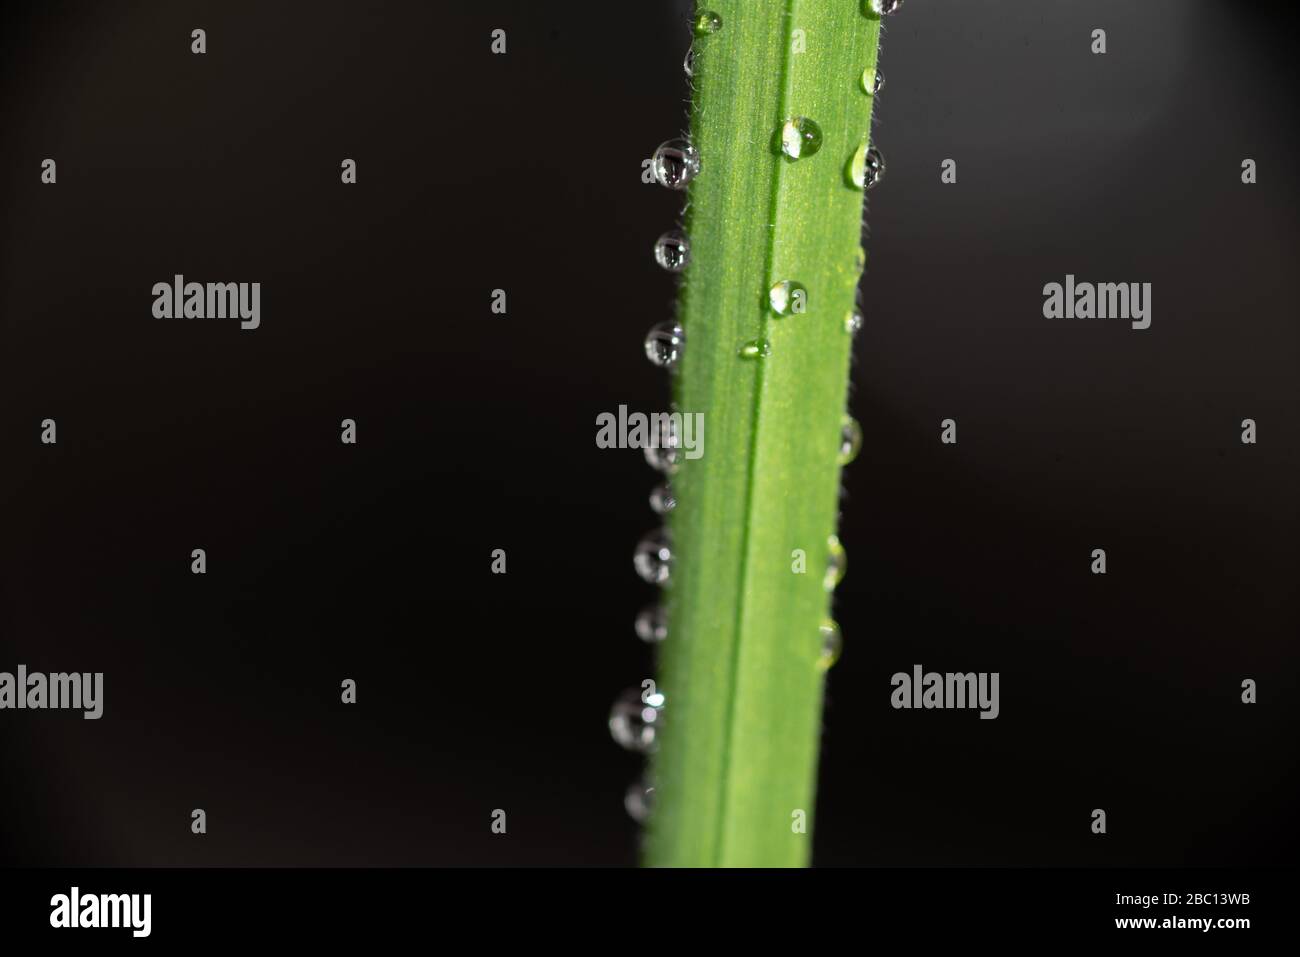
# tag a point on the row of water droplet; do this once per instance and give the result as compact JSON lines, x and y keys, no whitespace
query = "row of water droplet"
{"x":676,"y":163}
{"x":637,"y":715}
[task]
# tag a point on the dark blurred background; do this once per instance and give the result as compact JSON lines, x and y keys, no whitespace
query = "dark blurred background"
{"x":476,"y":431}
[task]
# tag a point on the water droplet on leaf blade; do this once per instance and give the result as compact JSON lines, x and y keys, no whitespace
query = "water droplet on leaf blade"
{"x":675,"y":163}
{"x":673,"y":250}
{"x":634,"y":724}
{"x":707,"y":22}
{"x":639,"y":801}
{"x":800,"y":137}
{"x":850,"y":440}
{"x":837,"y":563}
{"x":653,"y":558}
{"x":652,"y":624}
{"x":831,"y":644}
{"x":787,"y":298}
{"x":866,"y":167}
{"x":880,"y":8}
{"x":663,"y":447}
{"x":874,"y":167}
{"x":663,"y":344}
{"x":662,"y":499}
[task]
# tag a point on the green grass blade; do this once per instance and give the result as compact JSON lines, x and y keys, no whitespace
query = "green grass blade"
{"x":740,"y":668}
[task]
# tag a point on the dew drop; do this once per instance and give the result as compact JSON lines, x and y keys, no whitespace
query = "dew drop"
{"x":788,"y":298}
{"x":880,"y":8}
{"x":866,"y":167}
{"x":663,"y":344}
{"x":707,"y":22}
{"x":662,"y":499}
{"x":675,"y":163}
{"x":873,"y":81}
{"x":652,"y":624}
{"x":639,"y":800}
{"x":837,"y":563}
{"x":663,"y":451}
{"x":853,"y":318}
{"x":800,"y":137}
{"x":756,"y":349}
{"x":874,"y":167}
{"x":850,"y":440}
{"x":856,"y":171}
{"x":860,"y":259}
{"x":664,"y":458}
{"x":688,"y":63}
{"x":653,"y":558}
{"x":673,"y":250}
{"x":634,"y":723}
{"x":832,"y":643}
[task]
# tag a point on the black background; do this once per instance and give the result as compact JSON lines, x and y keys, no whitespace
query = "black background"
{"x":476,"y":432}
